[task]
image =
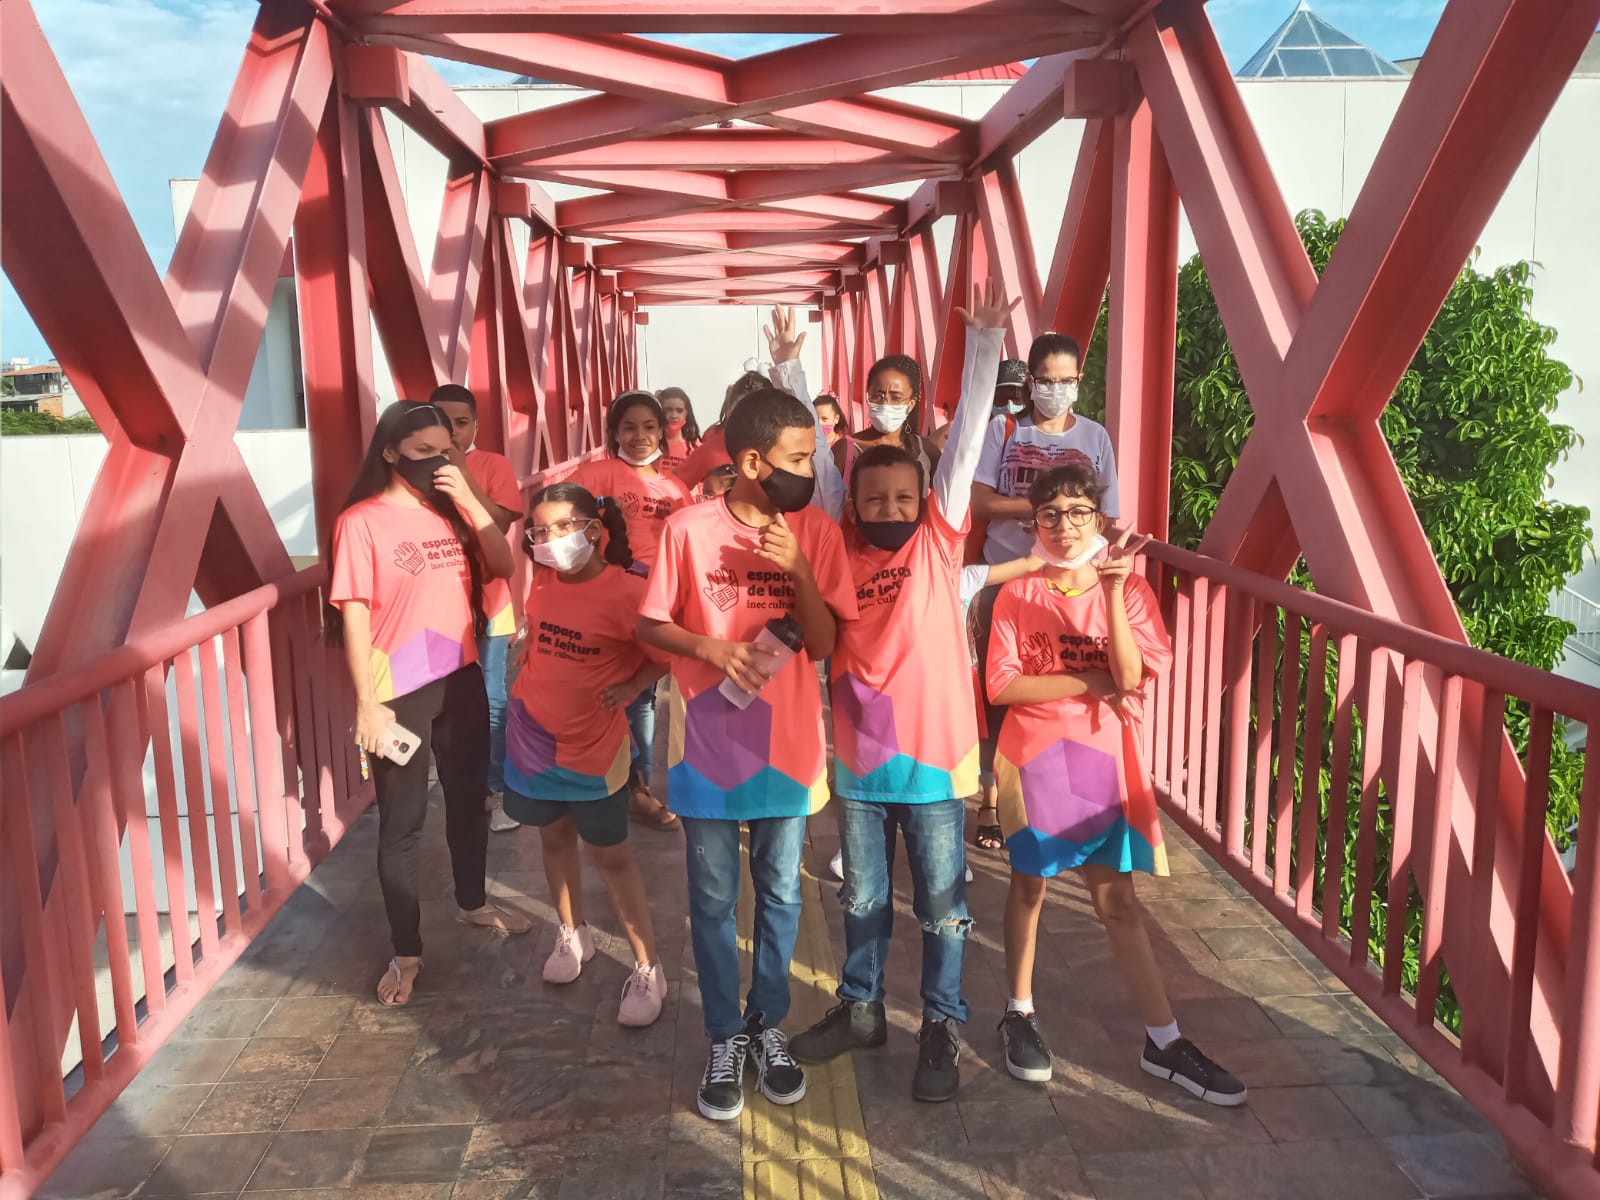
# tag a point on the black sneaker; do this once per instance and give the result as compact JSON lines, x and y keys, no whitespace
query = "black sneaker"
{"x":1027,"y":1057}
{"x":722,"y":1086}
{"x":1184,"y":1064}
{"x":777,"y":1074}
{"x":848,"y":1025}
{"x":938,"y":1061}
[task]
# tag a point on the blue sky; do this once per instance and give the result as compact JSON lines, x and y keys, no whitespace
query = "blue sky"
{"x":157,"y":124}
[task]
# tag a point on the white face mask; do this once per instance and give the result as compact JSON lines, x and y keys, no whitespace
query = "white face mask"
{"x":567,"y":553}
{"x":1054,"y":399}
{"x":887,"y":418}
{"x":1043,"y":552}
{"x":639,"y":462}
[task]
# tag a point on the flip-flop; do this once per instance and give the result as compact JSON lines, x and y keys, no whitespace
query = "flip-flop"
{"x":400,"y":979}
{"x":989,"y":837}
{"x":498,"y":919}
{"x":659,"y":816}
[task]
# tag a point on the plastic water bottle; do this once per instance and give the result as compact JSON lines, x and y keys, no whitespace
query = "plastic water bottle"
{"x":785,"y":638}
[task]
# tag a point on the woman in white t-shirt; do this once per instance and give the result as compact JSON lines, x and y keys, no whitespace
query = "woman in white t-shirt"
{"x":1016,"y":451}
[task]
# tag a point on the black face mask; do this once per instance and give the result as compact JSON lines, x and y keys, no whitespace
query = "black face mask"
{"x":888,"y":535}
{"x":419,"y":472}
{"x":787,"y":491}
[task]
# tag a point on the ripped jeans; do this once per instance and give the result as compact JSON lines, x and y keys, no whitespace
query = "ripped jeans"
{"x":936,"y":853}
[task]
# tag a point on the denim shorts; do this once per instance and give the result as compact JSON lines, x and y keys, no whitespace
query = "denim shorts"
{"x":599,"y":822}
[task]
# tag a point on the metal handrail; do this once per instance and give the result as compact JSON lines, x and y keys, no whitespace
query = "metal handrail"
{"x":34,"y":701}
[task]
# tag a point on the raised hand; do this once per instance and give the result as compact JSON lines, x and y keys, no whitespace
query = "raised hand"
{"x":1117,"y":564}
{"x":783,"y":343}
{"x":989,"y":308}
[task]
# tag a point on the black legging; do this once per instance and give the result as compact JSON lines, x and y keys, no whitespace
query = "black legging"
{"x":450,"y":717}
{"x":993,"y":714}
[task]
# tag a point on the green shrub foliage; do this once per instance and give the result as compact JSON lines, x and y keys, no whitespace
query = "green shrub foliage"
{"x":1471,"y":429}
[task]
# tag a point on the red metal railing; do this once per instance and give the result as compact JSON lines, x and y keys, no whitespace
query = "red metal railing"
{"x":1405,"y":737}
{"x":243,"y":717}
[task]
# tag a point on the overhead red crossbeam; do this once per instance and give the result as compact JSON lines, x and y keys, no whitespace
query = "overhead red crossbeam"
{"x":666,"y":16}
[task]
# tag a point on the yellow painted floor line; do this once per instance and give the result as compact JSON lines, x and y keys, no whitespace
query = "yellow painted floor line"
{"x":816,"y":1149}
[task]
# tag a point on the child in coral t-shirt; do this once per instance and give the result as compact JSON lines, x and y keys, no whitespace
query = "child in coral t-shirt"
{"x":567,"y":737}
{"x":727,"y":568}
{"x":630,"y":474}
{"x":1071,"y":652}
{"x":904,"y":720}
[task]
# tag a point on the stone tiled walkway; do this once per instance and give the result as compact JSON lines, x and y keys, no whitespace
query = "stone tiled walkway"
{"x":290,"y":1082}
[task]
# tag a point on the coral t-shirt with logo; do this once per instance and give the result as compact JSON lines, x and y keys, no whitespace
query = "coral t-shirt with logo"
{"x":767,"y":760}
{"x":560,"y":743}
{"x":406,"y":563}
{"x":647,"y":500}
{"x":498,"y":480}
{"x":904,"y":719}
{"x":674,"y":453}
{"x":1072,"y":788}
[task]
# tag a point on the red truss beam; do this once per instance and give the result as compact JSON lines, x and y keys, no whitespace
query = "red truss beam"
{"x":434,"y":17}
{"x":719,"y":149}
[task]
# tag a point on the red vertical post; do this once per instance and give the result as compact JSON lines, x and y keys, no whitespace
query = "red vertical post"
{"x":330,"y":263}
{"x":458,"y":263}
{"x":1142,"y":334}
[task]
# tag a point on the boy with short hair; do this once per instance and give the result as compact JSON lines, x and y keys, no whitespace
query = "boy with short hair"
{"x":724,"y":569}
{"x":494,"y":482}
{"x":905,"y":724}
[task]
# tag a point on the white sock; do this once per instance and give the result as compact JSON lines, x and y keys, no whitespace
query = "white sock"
{"x":1024,"y":1006}
{"x":1163,"y":1035}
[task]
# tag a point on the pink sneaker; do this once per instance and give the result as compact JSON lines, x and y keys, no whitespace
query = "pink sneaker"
{"x":642,"y":995}
{"x":574,"y":947}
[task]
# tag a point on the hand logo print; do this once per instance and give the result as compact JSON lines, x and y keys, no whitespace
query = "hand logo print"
{"x":722,"y":588}
{"x":409,"y":558}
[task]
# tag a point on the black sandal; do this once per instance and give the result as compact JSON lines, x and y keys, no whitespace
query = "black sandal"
{"x":988,"y":837}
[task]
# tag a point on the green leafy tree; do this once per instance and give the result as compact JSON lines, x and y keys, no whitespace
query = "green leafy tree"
{"x":14,"y":424}
{"x":1471,"y":429}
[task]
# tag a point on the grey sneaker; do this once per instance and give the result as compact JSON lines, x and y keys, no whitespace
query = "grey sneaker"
{"x":499,"y":822}
{"x":1027,"y":1056}
{"x":848,"y":1025}
{"x":1184,"y":1064}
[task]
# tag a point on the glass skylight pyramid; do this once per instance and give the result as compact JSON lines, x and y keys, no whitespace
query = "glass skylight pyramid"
{"x":1307,"y":47}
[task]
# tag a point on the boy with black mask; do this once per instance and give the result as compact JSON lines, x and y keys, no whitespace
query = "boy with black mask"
{"x":747,"y":594}
{"x":905,"y":724}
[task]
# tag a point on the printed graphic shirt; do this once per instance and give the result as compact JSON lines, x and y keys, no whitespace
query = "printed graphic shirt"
{"x":1072,"y":787}
{"x":766,"y":760}
{"x":406,"y":563}
{"x":647,"y":500}
{"x":1010,"y":465}
{"x":674,"y":453}
{"x":560,"y":743}
{"x":904,"y":715}
{"x":498,"y":479}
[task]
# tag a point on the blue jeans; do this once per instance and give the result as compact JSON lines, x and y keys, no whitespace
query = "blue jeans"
{"x":492,"y":655}
{"x":712,"y":847}
{"x":937,"y":856}
{"x":642,"y":727}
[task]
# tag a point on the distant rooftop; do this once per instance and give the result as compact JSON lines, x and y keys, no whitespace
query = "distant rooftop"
{"x":1307,"y":47}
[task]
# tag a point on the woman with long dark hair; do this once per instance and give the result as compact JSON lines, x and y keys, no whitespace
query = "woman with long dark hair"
{"x":411,"y":550}
{"x":630,"y":475}
{"x":894,"y":395}
{"x":683,"y":431}
{"x":568,"y":760}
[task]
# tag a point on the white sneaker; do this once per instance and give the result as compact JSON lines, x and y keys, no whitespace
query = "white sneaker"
{"x":499,"y":822}
{"x":969,"y":874}
{"x":642,"y":996}
{"x":574,"y":947}
{"x":836,"y":864}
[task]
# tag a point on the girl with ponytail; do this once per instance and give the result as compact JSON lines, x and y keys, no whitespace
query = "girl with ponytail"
{"x":631,"y":475}
{"x":411,"y":551}
{"x":568,"y":752}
